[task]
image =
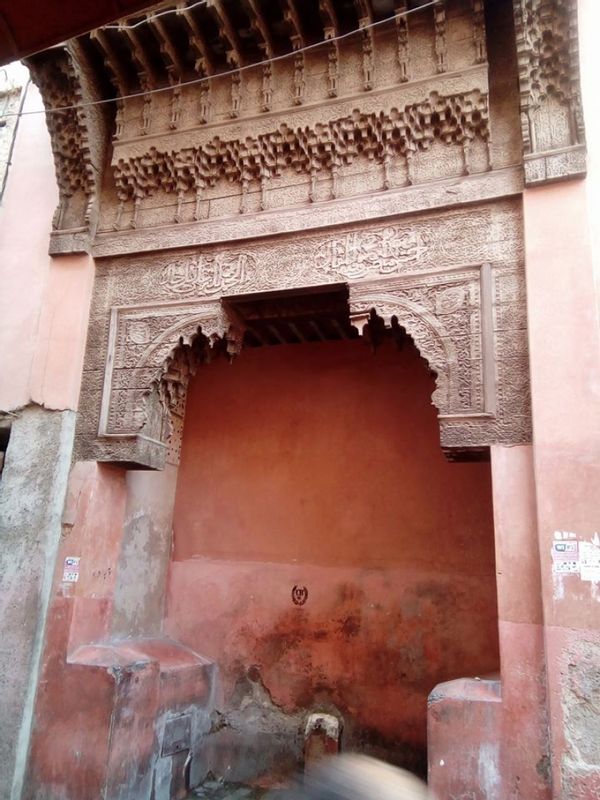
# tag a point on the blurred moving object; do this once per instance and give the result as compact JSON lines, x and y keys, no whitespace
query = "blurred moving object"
{"x":357,"y":777}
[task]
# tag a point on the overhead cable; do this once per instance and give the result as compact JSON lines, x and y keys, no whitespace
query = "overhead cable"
{"x":123,"y":26}
{"x":234,"y":71}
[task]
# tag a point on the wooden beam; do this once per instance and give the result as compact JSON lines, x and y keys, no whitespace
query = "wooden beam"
{"x":204,"y":61}
{"x":329,"y":19}
{"x":111,"y":61}
{"x":173,"y":63}
{"x":144,"y":70}
{"x":292,"y":17}
{"x":258,"y":24}
{"x":276,"y":334}
{"x":364,"y":11}
{"x":227,"y":33}
{"x":297,"y":333}
{"x":314,"y":325}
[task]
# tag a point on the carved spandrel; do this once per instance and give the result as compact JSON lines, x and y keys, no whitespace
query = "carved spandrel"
{"x":443,"y":316}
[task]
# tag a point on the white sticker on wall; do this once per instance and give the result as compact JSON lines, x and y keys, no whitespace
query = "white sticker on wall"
{"x":71,"y":569}
{"x":565,"y":558}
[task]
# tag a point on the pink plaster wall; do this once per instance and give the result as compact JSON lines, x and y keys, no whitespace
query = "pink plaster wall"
{"x":565,"y":382}
{"x":562,"y":237}
{"x":44,"y":302}
{"x":320,"y":466}
{"x":589,"y":56}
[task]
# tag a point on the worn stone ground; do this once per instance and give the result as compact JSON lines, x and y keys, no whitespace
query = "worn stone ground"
{"x":219,"y":790}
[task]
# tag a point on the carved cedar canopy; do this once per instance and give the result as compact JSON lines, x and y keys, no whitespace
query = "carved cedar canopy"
{"x":258,"y":147}
{"x":199,"y":127}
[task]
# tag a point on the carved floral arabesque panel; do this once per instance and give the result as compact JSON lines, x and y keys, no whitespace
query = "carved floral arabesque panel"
{"x":452,"y":279}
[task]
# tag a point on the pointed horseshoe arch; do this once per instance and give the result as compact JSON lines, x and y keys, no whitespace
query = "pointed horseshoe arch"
{"x":173,"y":356}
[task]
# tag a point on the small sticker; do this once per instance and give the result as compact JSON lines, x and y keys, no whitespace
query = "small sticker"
{"x":565,"y":558}
{"x":71,"y":569}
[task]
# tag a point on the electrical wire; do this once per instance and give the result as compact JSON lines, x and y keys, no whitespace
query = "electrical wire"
{"x":122,"y":26}
{"x":234,"y":71}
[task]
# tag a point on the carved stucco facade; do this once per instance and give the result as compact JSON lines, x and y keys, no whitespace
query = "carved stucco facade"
{"x":391,"y":161}
{"x":452,"y":278}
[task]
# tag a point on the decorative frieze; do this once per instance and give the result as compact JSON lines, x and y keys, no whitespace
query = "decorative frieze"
{"x":414,"y":243}
{"x":397,"y":201}
{"x":321,"y":149}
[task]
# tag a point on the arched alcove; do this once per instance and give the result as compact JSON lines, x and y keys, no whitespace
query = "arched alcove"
{"x":317,"y":466}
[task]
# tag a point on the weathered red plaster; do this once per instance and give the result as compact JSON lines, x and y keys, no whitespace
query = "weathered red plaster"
{"x":101,"y":698}
{"x":319,"y":466}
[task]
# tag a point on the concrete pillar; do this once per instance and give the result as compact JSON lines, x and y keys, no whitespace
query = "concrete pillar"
{"x":34,"y":485}
{"x":524,"y":761}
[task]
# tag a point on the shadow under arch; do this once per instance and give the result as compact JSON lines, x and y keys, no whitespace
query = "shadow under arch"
{"x":431,"y":339}
{"x":172,"y":358}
